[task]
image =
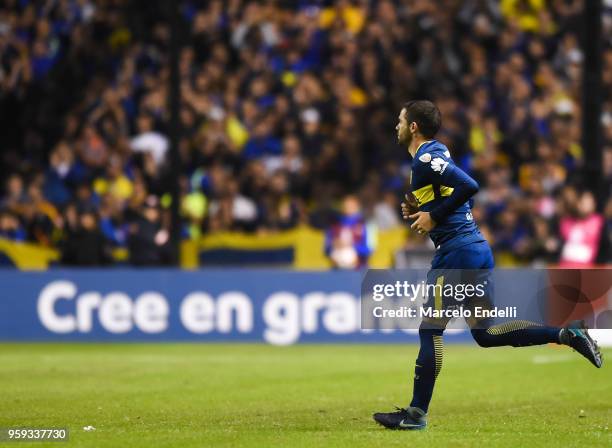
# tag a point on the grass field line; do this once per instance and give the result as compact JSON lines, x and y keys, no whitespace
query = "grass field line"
{"x":548,"y":359}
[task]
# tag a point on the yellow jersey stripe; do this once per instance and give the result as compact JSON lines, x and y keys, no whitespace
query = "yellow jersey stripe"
{"x":426,"y":194}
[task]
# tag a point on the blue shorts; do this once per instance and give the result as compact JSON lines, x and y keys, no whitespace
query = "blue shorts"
{"x":471,"y":256}
{"x":462,"y":278}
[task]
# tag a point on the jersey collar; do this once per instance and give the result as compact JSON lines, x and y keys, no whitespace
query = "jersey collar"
{"x":422,"y":146}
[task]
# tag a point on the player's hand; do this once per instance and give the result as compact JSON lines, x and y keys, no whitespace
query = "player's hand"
{"x":410,"y":206}
{"x":423,"y":222}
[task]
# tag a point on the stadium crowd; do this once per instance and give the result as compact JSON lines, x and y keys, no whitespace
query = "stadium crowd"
{"x":287,"y":108}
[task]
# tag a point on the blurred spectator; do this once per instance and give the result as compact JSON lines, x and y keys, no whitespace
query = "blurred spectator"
{"x":84,"y":244}
{"x":10,"y":227}
{"x":14,"y":196}
{"x":386,"y":214}
{"x":147,"y":238}
{"x":149,"y":140}
{"x":231,"y":210}
{"x":581,"y":231}
{"x":350,"y":241}
{"x":279,"y":210}
{"x":114,"y":182}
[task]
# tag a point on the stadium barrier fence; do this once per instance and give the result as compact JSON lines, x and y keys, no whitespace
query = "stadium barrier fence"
{"x":300,"y":248}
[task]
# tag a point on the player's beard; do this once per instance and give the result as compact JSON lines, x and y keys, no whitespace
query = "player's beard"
{"x":405,"y":140}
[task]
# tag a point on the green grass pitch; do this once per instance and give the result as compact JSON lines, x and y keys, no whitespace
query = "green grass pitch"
{"x":195,"y":395}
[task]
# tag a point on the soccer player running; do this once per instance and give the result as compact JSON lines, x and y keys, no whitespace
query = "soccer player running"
{"x":442,"y":191}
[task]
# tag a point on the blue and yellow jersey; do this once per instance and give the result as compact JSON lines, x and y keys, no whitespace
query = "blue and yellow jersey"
{"x":435,"y":178}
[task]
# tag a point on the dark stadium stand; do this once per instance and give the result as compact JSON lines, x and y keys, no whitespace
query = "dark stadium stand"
{"x":287,"y":107}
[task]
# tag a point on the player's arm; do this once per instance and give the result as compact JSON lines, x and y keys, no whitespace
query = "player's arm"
{"x":464,"y":187}
{"x":444,"y":172}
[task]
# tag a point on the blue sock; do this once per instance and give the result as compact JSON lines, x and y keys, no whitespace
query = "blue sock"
{"x":518,"y":333}
{"x":428,"y":365}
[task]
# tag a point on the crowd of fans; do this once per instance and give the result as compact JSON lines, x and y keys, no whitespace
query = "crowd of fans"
{"x":288,"y":107}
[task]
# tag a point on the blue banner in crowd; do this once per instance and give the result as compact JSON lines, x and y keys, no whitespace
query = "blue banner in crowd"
{"x":271,"y":306}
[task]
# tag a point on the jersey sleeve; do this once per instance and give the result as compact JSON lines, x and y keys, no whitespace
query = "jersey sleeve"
{"x":440,"y":169}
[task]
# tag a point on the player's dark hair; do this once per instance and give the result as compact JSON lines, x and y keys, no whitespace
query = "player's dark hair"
{"x":426,"y":115}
